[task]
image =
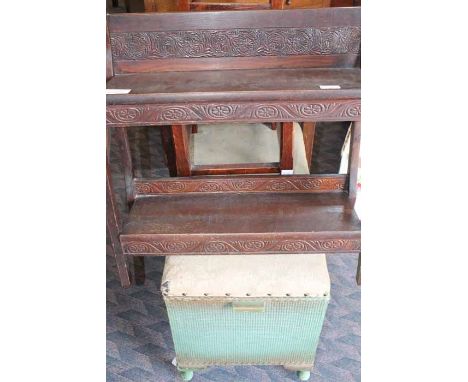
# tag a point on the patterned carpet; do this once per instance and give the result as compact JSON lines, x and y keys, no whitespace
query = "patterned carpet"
{"x":139,"y":344}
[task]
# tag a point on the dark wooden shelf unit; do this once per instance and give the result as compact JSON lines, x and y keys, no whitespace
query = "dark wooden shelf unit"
{"x":247,"y":215}
{"x":249,"y":66}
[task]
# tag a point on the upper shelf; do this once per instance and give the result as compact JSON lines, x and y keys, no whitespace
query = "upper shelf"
{"x":236,"y":85}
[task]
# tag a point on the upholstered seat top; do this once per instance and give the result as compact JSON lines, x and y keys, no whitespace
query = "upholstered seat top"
{"x":291,"y":275}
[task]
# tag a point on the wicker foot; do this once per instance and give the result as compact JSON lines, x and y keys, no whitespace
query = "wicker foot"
{"x":303,"y":375}
{"x":186,"y":375}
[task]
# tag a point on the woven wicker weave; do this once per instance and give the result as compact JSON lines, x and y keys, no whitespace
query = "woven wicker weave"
{"x":239,"y":329}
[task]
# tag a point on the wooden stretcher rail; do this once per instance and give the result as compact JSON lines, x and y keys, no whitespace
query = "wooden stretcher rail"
{"x":236,"y":168}
{"x":240,"y":184}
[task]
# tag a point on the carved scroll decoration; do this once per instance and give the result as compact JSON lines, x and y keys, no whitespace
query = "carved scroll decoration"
{"x":250,"y":246}
{"x":308,"y":183}
{"x":235,"y":43}
{"x":153,"y":114}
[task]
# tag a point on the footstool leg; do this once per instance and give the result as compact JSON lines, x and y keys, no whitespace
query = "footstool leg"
{"x":186,"y":374}
{"x":303,"y":375}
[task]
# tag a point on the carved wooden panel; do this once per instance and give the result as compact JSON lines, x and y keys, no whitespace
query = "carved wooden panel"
{"x":154,"y":114}
{"x":236,"y":43}
{"x":295,"y":183}
{"x":252,"y":245}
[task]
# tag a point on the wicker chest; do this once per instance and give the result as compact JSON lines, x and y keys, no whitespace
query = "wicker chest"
{"x":246,"y":310}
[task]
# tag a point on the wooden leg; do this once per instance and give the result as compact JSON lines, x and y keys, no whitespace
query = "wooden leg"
{"x":124,"y":145}
{"x":183,"y":5}
{"x":120,"y":260}
{"x":277,"y":4}
{"x":168,"y":147}
{"x":358,"y":272}
{"x":194,"y":129}
{"x":353,"y":173}
{"x":151,"y":6}
{"x":308,"y":130}
{"x":113,"y":228}
{"x":139,"y":269}
{"x":286,"y":152}
{"x":354,"y":161}
{"x":274,"y":125}
{"x":180,"y":138}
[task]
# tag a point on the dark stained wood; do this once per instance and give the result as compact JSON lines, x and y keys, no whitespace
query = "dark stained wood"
{"x":288,"y":111}
{"x":180,"y":138}
{"x":121,"y":135}
{"x":196,"y":5}
{"x":242,"y":184}
{"x":342,"y":3}
{"x":231,"y":63}
{"x":168,"y":147}
{"x":151,"y":6}
{"x":121,"y":262}
{"x":205,"y":6}
{"x":133,"y":52}
{"x":188,"y":21}
{"x":296,"y":4}
{"x":233,"y":85}
{"x":109,"y":68}
{"x":183,"y":5}
{"x":308,"y":132}
{"x":236,"y":168}
{"x":278,"y":4}
{"x":139,"y":270}
{"x":339,"y":21}
{"x":286,"y":148}
{"x":354,"y":160}
{"x":113,"y":223}
{"x":180,"y":75}
{"x":241,"y":223}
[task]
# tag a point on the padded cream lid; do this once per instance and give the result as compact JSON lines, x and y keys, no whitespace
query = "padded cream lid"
{"x":294,"y":275}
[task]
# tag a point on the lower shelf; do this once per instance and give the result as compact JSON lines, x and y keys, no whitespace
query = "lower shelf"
{"x":244,"y":223}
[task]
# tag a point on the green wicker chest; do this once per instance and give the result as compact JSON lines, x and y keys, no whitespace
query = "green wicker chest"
{"x":246,"y":310}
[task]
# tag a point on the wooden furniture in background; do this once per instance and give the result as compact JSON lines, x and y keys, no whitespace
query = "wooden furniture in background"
{"x":237,"y":214}
{"x":187,"y":5}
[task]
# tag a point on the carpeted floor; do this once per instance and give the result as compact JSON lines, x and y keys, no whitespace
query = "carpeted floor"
{"x":139,"y":344}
